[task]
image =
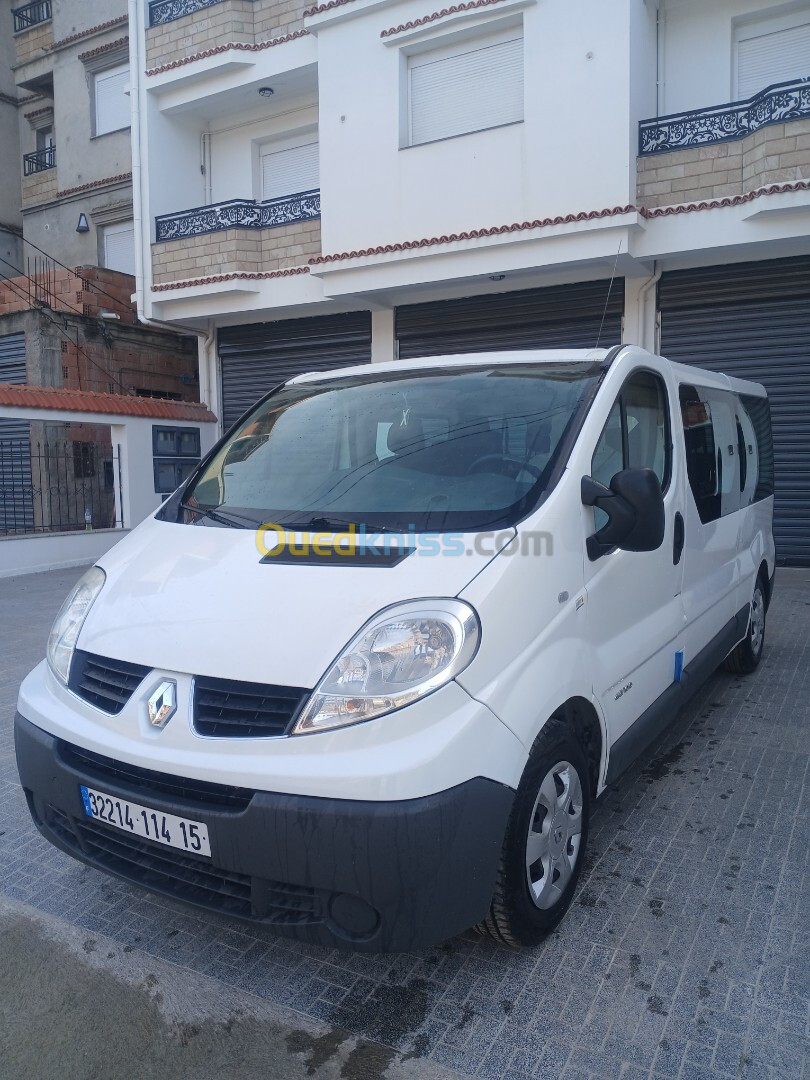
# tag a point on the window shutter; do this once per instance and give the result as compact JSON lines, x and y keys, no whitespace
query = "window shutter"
{"x":287,"y":172}
{"x":119,"y":247}
{"x":468,"y":91}
{"x":112,"y":104}
{"x":772,"y":57}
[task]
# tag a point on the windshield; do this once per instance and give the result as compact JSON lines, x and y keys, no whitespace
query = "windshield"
{"x":434,"y":450}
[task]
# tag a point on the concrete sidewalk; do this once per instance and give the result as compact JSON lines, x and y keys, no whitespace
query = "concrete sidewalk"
{"x":686,"y":953}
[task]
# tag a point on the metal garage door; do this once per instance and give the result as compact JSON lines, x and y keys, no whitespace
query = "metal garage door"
{"x":255,"y":358}
{"x":16,"y":497}
{"x":562,"y":316}
{"x":752,"y":320}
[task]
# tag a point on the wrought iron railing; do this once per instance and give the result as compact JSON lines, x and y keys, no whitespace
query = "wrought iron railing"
{"x":239,"y":214}
{"x":57,"y":486}
{"x":31,"y":15}
{"x":165,"y":11}
{"x":39,"y":161}
{"x":722,"y":123}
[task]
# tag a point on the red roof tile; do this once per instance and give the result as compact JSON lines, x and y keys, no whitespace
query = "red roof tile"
{"x":50,"y":397}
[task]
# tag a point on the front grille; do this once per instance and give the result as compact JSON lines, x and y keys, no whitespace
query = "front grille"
{"x":107,"y":684}
{"x":192,"y":879}
{"x":200,"y":794}
{"x":227,"y":709}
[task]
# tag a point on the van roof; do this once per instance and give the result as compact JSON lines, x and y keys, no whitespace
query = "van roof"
{"x":479,"y":359}
{"x":683,"y":372}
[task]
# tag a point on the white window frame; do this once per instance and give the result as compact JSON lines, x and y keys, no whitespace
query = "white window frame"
{"x":758,"y":26}
{"x":480,"y":38}
{"x":100,"y":76}
{"x":266,"y":148}
{"x":117,"y":228}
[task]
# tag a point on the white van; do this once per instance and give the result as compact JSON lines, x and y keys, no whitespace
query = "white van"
{"x":363,"y":675}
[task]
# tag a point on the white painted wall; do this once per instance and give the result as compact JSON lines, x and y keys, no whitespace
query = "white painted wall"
{"x":174,"y":179}
{"x":697,"y":49}
{"x":569,"y":154}
{"x":54,"y":551}
{"x":236,"y":142}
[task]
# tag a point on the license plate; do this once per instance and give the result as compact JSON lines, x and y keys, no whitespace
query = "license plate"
{"x":176,"y":832}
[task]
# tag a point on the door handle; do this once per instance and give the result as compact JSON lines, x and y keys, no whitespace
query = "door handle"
{"x":679,"y":537}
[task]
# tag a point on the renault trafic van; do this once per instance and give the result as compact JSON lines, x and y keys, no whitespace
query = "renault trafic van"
{"x":363,"y":675}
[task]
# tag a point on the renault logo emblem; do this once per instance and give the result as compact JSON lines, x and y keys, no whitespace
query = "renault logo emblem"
{"x":162,"y":704}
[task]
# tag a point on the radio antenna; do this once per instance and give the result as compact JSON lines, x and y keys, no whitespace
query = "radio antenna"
{"x":607,"y":298}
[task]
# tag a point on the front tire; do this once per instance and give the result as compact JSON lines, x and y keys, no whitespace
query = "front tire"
{"x":545,"y":841}
{"x":745,"y":657}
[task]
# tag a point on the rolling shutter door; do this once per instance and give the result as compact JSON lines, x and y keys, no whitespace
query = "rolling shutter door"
{"x":752,"y":321}
{"x":562,"y":316}
{"x":16,"y":499}
{"x":255,"y":358}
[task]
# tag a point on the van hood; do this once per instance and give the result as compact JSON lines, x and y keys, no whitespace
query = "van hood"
{"x":200,"y":601}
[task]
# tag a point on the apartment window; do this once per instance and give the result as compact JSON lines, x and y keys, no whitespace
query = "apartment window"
{"x":112,"y":103}
{"x":119,"y":247}
{"x":465,"y":87}
{"x":289,"y":167}
{"x":771,"y":51}
{"x":44,"y":138}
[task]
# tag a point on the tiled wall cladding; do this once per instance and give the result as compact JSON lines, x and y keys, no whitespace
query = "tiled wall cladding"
{"x":244,"y":21}
{"x":775,"y":154}
{"x":236,"y":251}
{"x":29,"y":43}
{"x":38,"y":188}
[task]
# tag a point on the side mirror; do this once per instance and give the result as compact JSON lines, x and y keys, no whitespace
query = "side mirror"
{"x":635,"y":509}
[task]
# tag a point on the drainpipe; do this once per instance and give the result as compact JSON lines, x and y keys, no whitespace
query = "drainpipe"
{"x":136,"y":31}
{"x":643,"y":296}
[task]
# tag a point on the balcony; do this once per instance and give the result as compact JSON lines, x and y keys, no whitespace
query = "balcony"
{"x":180,"y":30}
{"x":31,"y":15}
{"x":166,"y":11}
{"x":725,"y":151}
{"x":39,"y":161}
{"x":240,"y":236}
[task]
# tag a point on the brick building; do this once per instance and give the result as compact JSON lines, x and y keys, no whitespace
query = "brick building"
{"x":67,"y":253}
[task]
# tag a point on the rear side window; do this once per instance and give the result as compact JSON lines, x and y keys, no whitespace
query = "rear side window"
{"x":757,"y":411}
{"x":727,"y":450}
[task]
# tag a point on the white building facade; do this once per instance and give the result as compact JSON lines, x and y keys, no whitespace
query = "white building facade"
{"x":373,"y":179}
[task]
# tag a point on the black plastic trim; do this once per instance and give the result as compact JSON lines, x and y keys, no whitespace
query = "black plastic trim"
{"x":663,"y":710}
{"x":387,"y":876}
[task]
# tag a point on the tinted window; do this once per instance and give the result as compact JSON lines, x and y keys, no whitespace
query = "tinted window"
{"x":729,"y":456}
{"x":701,"y":458}
{"x":758,"y":412}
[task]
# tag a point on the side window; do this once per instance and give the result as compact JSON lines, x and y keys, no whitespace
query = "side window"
{"x":701,"y":459}
{"x":720,"y":462}
{"x":635,"y":436}
{"x":757,"y":412}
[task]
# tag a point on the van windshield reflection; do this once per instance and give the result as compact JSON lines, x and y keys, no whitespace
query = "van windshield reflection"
{"x":430,"y":450}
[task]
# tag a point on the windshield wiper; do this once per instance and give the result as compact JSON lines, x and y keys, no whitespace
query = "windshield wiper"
{"x":213,"y":515}
{"x":333,"y":524}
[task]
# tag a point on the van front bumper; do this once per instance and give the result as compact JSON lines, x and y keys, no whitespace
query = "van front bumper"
{"x":377,"y":876}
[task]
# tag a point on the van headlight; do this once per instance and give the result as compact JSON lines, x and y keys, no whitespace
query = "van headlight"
{"x":65,"y":630}
{"x":402,"y":654}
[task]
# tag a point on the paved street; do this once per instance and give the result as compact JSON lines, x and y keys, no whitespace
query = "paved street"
{"x":685,"y":955}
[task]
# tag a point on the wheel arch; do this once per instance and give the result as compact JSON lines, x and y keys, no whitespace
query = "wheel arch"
{"x":766,"y":582}
{"x":581,"y":716}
